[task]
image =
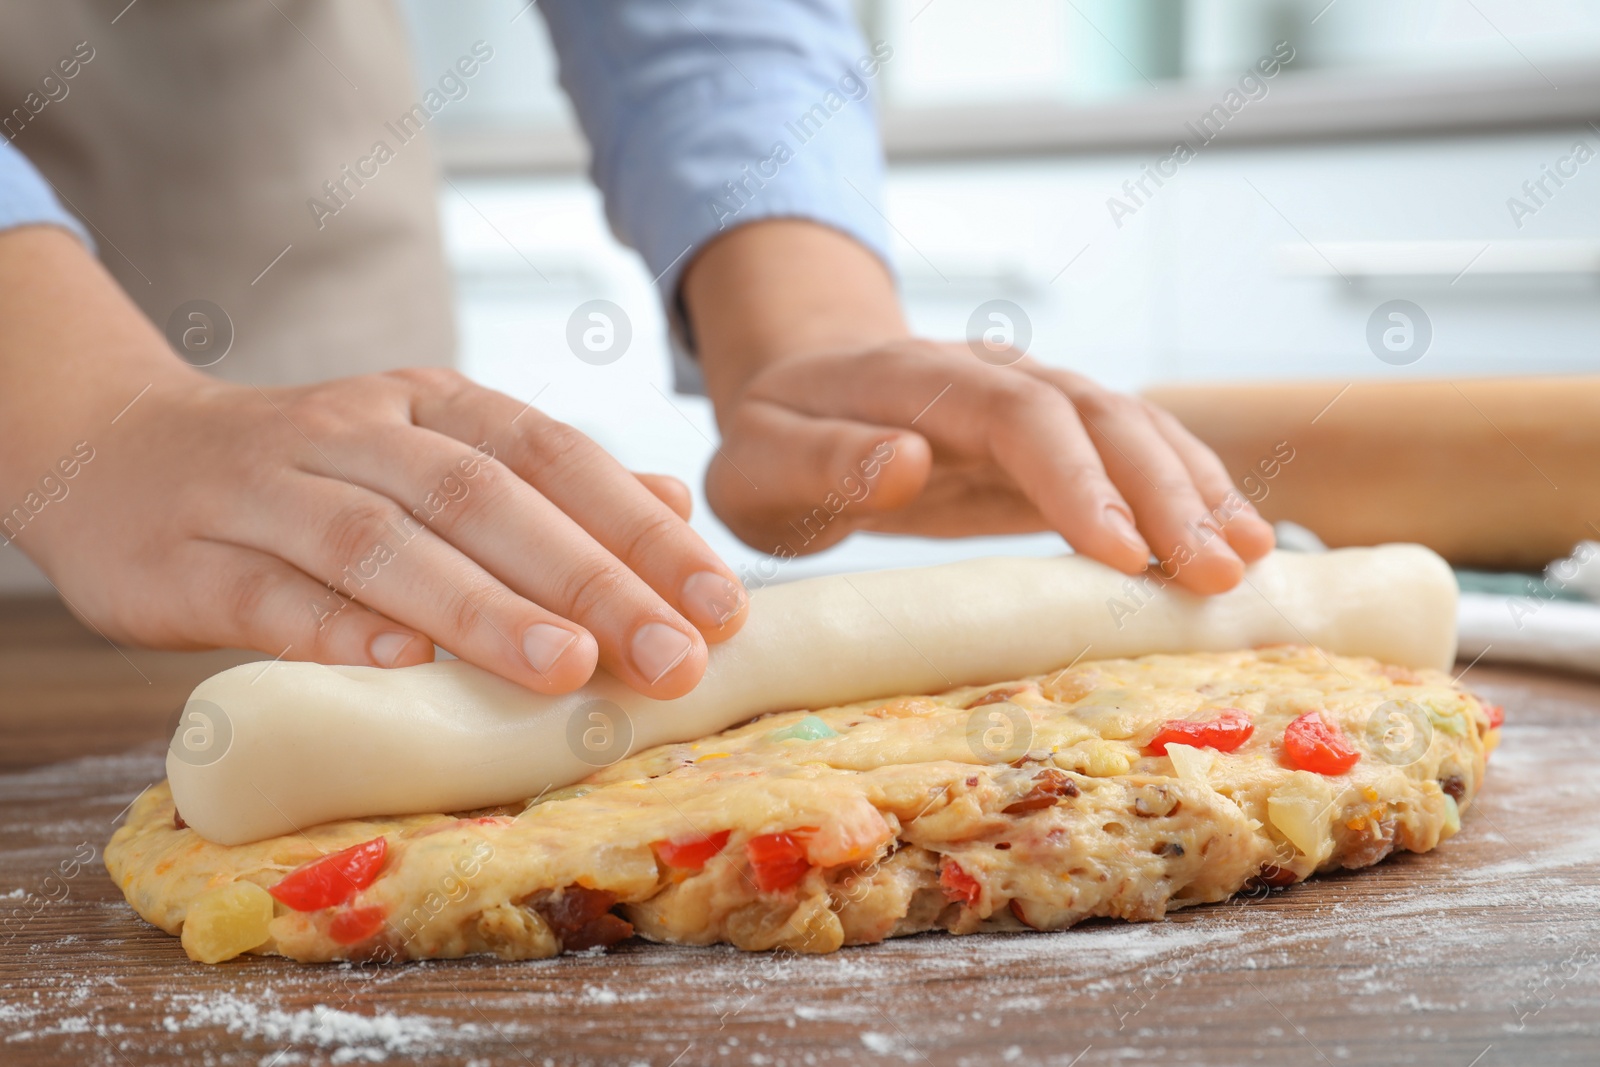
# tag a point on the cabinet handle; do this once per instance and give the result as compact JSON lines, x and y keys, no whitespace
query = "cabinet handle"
{"x":1449,"y":259}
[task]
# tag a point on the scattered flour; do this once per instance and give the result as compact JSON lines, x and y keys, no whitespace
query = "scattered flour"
{"x":1529,"y":843}
{"x":370,"y":1038}
{"x":886,"y":1045}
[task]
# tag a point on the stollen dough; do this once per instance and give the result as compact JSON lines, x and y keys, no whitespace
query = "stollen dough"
{"x":1035,"y":803}
{"x":262,"y":751}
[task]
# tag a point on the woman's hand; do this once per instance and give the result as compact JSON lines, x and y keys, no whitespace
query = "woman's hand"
{"x":818,"y":386}
{"x":946,"y":445}
{"x":359,"y":521}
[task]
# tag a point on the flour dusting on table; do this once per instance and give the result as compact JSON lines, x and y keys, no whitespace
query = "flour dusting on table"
{"x":1530,"y":844}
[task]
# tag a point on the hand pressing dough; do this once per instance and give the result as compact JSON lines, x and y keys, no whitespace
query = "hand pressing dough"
{"x":302,"y":744}
{"x":1032,"y":804}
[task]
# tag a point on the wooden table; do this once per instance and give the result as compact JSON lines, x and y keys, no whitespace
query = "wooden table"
{"x":1485,"y":953}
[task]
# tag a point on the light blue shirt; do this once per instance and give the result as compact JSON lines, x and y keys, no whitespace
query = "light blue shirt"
{"x":707,"y":114}
{"x":702,"y":115}
{"x":26,"y":198}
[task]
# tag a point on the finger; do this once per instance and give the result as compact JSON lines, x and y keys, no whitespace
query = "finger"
{"x":1172,"y":515}
{"x":491,"y":516}
{"x":584,"y":482}
{"x":242,"y":598}
{"x":972,"y":411}
{"x":1250,"y":535}
{"x":791,"y":483}
{"x":670,"y":491}
{"x":373,"y":552}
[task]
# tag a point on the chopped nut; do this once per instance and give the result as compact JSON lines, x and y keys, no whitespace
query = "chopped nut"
{"x":1156,"y":802}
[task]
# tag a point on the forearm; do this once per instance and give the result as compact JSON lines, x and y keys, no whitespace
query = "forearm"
{"x":779,"y":289}
{"x":73,"y":352}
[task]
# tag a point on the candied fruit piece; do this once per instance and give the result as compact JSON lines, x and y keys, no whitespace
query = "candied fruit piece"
{"x":227,"y":921}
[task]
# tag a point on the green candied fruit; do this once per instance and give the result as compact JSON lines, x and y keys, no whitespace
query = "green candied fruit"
{"x":809,"y":728}
{"x":1450,"y":720}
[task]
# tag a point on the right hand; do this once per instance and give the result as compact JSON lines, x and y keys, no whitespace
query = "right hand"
{"x":1007,"y":449}
{"x":218,"y":515}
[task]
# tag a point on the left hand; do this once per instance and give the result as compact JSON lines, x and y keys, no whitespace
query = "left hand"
{"x":923,"y":438}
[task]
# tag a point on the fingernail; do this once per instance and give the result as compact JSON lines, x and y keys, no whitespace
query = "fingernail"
{"x":710,"y":600}
{"x":543,"y":644}
{"x":386,"y":648}
{"x":1118,"y":522}
{"x":657,"y":648}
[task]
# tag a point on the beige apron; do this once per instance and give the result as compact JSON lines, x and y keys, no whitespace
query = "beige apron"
{"x":191,"y":142}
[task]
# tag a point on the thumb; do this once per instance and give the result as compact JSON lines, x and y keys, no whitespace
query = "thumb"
{"x":791,"y":484}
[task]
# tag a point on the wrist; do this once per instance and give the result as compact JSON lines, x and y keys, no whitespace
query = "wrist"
{"x":74,"y":353}
{"x":782,"y":289}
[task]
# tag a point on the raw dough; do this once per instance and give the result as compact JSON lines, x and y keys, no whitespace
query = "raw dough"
{"x":265,"y":750}
{"x":1035,"y":803}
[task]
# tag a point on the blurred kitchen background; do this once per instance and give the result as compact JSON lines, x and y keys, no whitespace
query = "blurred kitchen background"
{"x":1380,"y":164}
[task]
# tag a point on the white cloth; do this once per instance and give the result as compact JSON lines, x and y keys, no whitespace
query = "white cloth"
{"x":1554,"y":633}
{"x":1536,"y":629}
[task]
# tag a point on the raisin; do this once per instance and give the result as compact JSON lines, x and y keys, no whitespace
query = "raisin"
{"x":580,"y":917}
{"x":1276,"y":877}
{"x":1049,"y":786}
{"x":1002,"y":845}
{"x":177,"y":821}
{"x":1454,"y":786}
{"x":1168,"y":848}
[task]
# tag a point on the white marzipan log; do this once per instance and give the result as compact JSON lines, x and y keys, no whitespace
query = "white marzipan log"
{"x":263,"y":751}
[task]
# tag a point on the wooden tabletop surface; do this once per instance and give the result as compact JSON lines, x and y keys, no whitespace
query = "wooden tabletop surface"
{"x":1482,"y":954}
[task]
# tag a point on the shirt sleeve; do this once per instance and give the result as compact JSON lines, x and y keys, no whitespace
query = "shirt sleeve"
{"x":26,"y":199}
{"x":703,"y":115}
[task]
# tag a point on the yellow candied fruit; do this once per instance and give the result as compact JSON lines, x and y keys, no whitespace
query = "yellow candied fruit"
{"x":1105,"y":759}
{"x":712,"y":755}
{"x":227,"y":921}
{"x":1369,"y":793}
{"x":1373,"y":817}
{"x":1301,"y":810}
{"x":1192,"y":763}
